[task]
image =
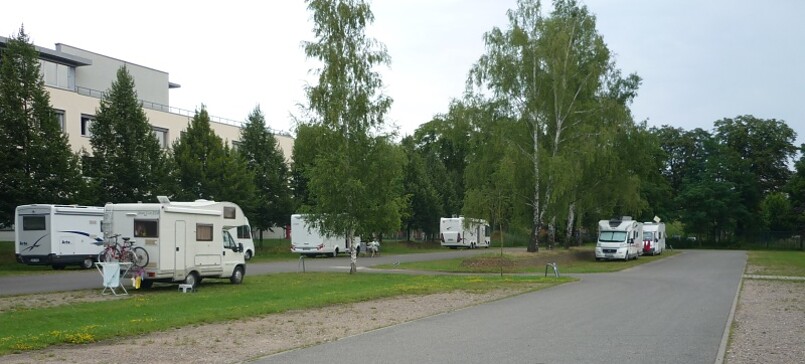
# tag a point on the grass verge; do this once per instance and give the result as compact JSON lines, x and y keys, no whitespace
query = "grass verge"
{"x":776,"y":263}
{"x":573,"y":260}
{"x":34,"y":327}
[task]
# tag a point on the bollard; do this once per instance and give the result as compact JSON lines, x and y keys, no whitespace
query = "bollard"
{"x":555,"y":269}
{"x":301,"y":264}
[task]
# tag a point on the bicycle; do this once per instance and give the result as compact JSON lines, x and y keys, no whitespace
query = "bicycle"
{"x":125,"y":252}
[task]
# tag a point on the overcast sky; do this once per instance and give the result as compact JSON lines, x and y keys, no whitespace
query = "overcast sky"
{"x":700,"y":61}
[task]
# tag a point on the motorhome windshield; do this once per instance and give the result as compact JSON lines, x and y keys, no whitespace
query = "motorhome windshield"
{"x":648,"y":235}
{"x":612,"y":236}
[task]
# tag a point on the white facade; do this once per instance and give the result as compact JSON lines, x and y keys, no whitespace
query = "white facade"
{"x":76,"y":80}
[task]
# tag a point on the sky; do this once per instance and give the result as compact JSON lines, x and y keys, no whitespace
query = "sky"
{"x":700,"y":61}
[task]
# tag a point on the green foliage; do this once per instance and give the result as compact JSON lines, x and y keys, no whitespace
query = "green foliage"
{"x":127,"y":163}
{"x":776,"y":212}
{"x":424,"y":205}
{"x":796,"y":190}
{"x":555,"y":74}
{"x":272,"y":203}
{"x":36,"y":164}
{"x":206,"y":168}
{"x":355,"y":186}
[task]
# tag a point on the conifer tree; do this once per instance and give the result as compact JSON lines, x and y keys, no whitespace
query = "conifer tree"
{"x":262,"y":154}
{"x":127,"y":163}
{"x":207,"y":169}
{"x":36,"y":163}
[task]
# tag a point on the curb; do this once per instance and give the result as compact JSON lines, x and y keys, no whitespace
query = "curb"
{"x":722,"y":348}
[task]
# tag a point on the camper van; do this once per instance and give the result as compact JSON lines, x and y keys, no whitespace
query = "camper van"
{"x":456,"y":232}
{"x":238,"y":227}
{"x":308,"y":241}
{"x":186,"y":241}
{"x":653,"y":238}
{"x":58,"y":235}
{"x":619,"y":239}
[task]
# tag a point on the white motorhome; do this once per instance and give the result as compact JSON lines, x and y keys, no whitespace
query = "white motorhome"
{"x":238,"y":226}
{"x":309,"y":241}
{"x":619,"y":239}
{"x":186,"y":241}
{"x":456,"y":232}
{"x":653,"y":238}
{"x":58,"y":235}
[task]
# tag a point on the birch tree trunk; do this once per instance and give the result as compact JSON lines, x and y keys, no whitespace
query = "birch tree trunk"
{"x":571,"y":217}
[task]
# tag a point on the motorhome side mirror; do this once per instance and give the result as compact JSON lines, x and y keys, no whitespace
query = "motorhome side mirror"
{"x":240,"y":248}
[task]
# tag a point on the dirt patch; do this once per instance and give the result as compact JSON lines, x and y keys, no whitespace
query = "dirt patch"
{"x":512,"y":262}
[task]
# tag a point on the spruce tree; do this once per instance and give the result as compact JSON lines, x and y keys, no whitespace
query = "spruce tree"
{"x":207,"y":169}
{"x":259,"y":148}
{"x":36,"y":163}
{"x":128,"y":164}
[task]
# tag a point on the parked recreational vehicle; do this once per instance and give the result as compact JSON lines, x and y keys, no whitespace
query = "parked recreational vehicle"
{"x":653,"y":237}
{"x":238,"y":226}
{"x":186,"y":241}
{"x":464,"y":232}
{"x":619,"y":239}
{"x":308,"y":241}
{"x":58,"y":235}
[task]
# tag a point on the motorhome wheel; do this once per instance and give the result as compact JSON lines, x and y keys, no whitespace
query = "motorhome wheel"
{"x":247,"y":255}
{"x":237,"y":276}
{"x":87,"y":263}
{"x":192,"y":279}
{"x":335,"y":252}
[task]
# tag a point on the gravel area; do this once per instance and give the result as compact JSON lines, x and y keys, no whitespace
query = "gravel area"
{"x":769,"y":323}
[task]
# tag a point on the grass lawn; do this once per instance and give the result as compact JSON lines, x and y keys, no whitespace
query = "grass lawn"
{"x":778,"y":263}
{"x":35,"y":327}
{"x":573,"y":260}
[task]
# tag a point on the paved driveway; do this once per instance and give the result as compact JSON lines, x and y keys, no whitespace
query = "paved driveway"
{"x":670,"y":311}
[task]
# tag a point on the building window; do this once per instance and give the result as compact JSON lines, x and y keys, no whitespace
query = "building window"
{"x":57,"y":75}
{"x":162,"y":136}
{"x":60,"y":118}
{"x":86,"y":123}
{"x":229,"y":212}
{"x":203,"y":232}
{"x":235,"y":145}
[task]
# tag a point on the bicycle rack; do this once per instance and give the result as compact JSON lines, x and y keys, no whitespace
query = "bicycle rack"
{"x":555,"y":269}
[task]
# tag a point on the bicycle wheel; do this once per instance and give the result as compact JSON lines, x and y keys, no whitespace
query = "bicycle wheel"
{"x":140,"y":257}
{"x":106,"y":255}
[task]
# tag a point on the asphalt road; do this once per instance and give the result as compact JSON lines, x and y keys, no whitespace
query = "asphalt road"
{"x":71,"y":280}
{"x":670,"y":311}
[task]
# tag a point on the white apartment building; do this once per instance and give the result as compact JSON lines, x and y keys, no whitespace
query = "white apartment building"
{"x":76,"y":80}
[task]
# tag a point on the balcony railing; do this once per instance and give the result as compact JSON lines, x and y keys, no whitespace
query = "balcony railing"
{"x":175,"y":110}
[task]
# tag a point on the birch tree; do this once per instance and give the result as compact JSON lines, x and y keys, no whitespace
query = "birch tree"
{"x":355,"y":184}
{"x":556,"y":74}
